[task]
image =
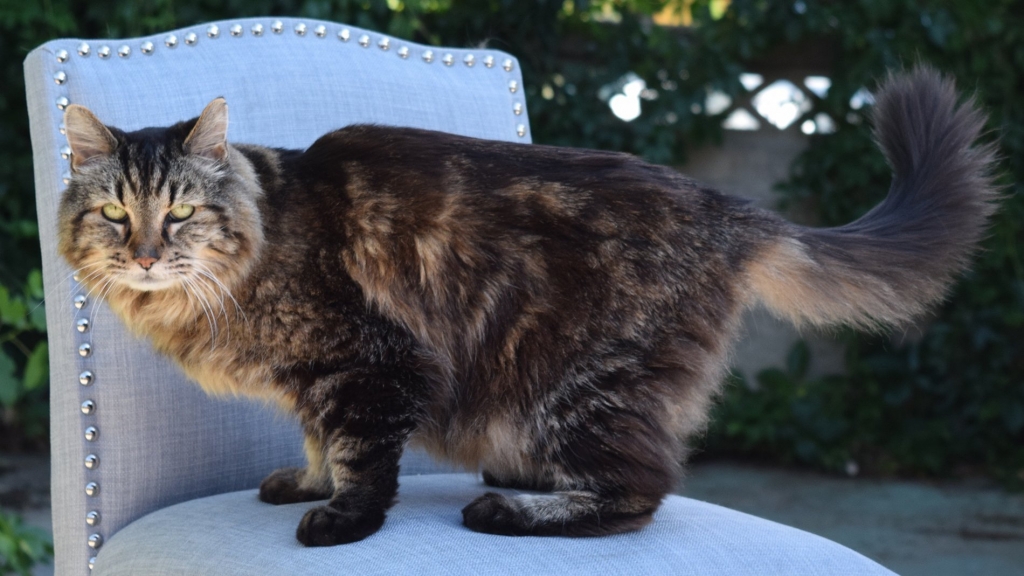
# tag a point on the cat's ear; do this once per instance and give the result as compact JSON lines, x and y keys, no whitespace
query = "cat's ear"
{"x":209,"y":137}
{"x":88,"y":137}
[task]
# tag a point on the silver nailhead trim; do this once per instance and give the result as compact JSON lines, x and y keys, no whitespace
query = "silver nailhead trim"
{"x":88,"y":407}
{"x":91,"y":433}
{"x":300,"y":29}
{"x":65,"y":177}
{"x":320,"y":31}
{"x":513,"y":86}
{"x":92,"y":489}
{"x":213,"y":31}
{"x":428,"y":56}
{"x":344,"y":35}
{"x":171,"y":41}
{"x":507,"y":65}
{"x":384,"y":43}
{"x":60,"y":77}
{"x":62,"y":128}
{"x":257,"y":29}
{"x":84,"y":350}
{"x":92,"y":518}
{"x":103,"y":52}
{"x":62,"y":103}
{"x":80,"y":301}
{"x":62,"y":56}
{"x":83,"y":49}
{"x":65,"y":152}
{"x":77,"y":276}
{"x":82,"y":325}
{"x":95,"y":541}
{"x":364,"y":40}
{"x":124,"y":51}
{"x":235,"y":30}
{"x":517,"y":108}
{"x":92,"y":562}
{"x":489,"y":61}
{"x":448,"y":59}
{"x":85,"y":378}
{"x":521,"y":130}
{"x":147,"y":48}
{"x":469,"y":60}
{"x":191,"y":39}
{"x":277,"y":27}
{"x":403,"y":52}
{"x":92,"y":461}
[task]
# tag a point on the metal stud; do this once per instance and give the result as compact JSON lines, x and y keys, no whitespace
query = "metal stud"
{"x":300,"y":29}
{"x":85,"y":378}
{"x":257,"y":29}
{"x":428,"y":56}
{"x":513,"y":86}
{"x":62,"y":128}
{"x":489,"y":61}
{"x":82,"y":325}
{"x":517,"y":108}
{"x":88,"y":407}
{"x":65,"y":178}
{"x":92,"y":562}
{"x":147,"y":48}
{"x":277,"y":27}
{"x":92,"y":518}
{"x":235,"y":30}
{"x":62,"y":103}
{"x":384,"y":43}
{"x":95,"y":541}
{"x":344,"y":35}
{"x":103,"y":52}
{"x":60,"y":77}
{"x":521,"y":130}
{"x":83,"y":49}
{"x":77,"y":276}
{"x":364,"y":40}
{"x":84,"y":350}
{"x":320,"y":31}
{"x":191,"y":39}
{"x":213,"y":31}
{"x":171,"y":41}
{"x":124,"y":51}
{"x":403,"y":52}
{"x":448,"y":59}
{"x":469,"y":60}
{"x":92,"y":489}
{"x":91,"y":433}
{"x":92,"y":461}
{"x":65,"y":152}
{"x":80,"y":301}
{"x":507,"y":65}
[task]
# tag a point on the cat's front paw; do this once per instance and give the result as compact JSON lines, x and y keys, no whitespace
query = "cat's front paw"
{"x":330,"y":525}
{"x":283,"y":486}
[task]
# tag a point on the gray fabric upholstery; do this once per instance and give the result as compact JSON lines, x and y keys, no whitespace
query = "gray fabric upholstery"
{"x":236,"y":535}
{"x":161,"y":441}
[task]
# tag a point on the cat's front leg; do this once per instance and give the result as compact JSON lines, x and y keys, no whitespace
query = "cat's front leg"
{"x":291,"y":485}
{"x":364,"y":433}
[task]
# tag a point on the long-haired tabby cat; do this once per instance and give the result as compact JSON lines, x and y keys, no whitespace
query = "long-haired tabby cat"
{"x":559,"y":318}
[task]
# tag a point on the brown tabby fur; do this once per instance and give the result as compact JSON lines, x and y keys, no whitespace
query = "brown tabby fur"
{"x":559,"y":317}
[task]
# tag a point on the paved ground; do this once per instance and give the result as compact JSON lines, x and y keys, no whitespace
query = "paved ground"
{"x":913,"y":528}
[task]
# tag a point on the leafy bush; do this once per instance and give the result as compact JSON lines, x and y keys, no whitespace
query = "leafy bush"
{"x":949,"y":399}
{"x":22,"y":547}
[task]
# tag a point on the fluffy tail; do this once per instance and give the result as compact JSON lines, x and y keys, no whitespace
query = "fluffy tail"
{"x":901,"y":256}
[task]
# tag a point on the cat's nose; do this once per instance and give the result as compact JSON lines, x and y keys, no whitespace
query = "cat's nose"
{"x":146,"y":261}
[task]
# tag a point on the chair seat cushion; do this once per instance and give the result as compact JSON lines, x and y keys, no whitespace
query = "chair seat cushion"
{"x":236,"y":534}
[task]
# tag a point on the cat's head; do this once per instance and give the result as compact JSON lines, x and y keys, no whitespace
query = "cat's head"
{"x":159,"y":208}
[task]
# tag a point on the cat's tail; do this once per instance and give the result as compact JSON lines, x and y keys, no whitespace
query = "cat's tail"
{"x":893,"y":262}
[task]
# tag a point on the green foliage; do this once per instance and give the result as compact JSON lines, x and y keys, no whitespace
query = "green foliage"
{"x":22,"y":547}
{"x":949,"y":399}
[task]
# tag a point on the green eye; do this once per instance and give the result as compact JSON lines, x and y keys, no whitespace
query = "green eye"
{"x":114,"y":213}
{"x":182,"y":211}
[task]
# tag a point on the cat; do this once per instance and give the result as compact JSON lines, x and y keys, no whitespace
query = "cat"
{"x":559,"y":318}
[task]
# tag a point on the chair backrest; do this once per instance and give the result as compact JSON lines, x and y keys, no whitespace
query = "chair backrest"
{"x":129,"y":433}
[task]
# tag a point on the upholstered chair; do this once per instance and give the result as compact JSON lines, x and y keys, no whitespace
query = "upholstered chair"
{"x":152,"y":477}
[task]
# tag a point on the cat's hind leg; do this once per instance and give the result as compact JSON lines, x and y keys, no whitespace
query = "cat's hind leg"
{"x":291,"y":485}
{"x":568,"y":513}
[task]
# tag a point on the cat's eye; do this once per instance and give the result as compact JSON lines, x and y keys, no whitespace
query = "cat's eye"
{"x":182,"y":211}
{"x":114,"y":213}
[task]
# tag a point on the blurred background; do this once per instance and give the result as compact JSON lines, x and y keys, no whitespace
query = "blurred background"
{"x":765,"y":99}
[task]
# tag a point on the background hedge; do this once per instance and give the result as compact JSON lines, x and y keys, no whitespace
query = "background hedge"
{"x":942,"y":402}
